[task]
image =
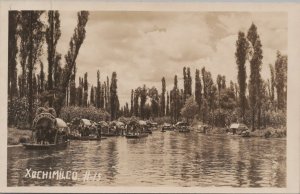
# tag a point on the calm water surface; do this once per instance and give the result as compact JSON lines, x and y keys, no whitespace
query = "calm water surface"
{"x":161,"y":159}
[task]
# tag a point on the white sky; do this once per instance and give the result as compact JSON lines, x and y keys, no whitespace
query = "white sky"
{"x":142,"y":47}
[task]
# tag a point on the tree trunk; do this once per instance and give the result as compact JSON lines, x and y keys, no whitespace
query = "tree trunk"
{"x":30,"y":69}
{"x":259,"y":117}
{"x":50,"y":60}
{"x":253,"y":119}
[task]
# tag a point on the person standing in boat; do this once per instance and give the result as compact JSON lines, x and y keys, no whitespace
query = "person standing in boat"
{"x":99,"y":127}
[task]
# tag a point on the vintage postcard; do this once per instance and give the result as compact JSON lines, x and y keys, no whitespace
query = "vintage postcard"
{"x":150,"y":97}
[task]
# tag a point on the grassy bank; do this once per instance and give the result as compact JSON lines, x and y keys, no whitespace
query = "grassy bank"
{"x":16,"y":136}
{"x":269,"y":133}
{"x":265,"y":133}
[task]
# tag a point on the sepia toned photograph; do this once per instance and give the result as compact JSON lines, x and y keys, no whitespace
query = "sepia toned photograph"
{"x":147,"y":98}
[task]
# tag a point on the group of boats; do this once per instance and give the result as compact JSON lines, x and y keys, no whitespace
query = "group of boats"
{"x":181,"y":127}
{"x":51,"y":132}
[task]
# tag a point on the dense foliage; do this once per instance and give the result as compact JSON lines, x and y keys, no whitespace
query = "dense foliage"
{"x":92,"y":113}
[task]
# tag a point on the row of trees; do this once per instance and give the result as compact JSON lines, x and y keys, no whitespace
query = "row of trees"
{"x":27,"y":35}
{"x":254,"y":101}
{"x":261,"y":92}
{"x":103,"y":96}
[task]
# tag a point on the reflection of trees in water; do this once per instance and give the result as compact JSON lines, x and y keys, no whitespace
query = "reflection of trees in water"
{"x":15,"y":167}
{"x":238,"y":160}
{"x":279,"y":175}
{"x":112,"y":160}
{"x":169,"y":159}
{"x":172,"y":170}
{"x":221,"y":153}
{"x":254,"y":174}
{"x":207,"y":155}
{"x":278,"y":165}
{"x":186,"y":160}
{"x":194,"y":150}
{"x":240,"y":166}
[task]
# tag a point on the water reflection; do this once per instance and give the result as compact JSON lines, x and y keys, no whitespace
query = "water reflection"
{"x":170,"y":159}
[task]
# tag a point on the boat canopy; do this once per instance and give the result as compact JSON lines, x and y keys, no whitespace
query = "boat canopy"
{"x":44,"y":120}
{"x":103,"y":124}
{"x":238,"y":126}
{"x":133,"y":123}
{"x":202,"y":125}
{"x":61,"y":123}
{"x":117,"y":123}
{"x":86,"y":122}
{"x":167,"y":125}
{"x":181,"y":124}
{"x":142,"y":122}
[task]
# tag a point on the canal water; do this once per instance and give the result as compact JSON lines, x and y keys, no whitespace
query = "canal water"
{"x":161,"y":159}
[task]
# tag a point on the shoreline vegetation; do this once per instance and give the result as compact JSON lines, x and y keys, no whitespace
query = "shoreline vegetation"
{"x":264,"y":133}
{"x":17,"y":136}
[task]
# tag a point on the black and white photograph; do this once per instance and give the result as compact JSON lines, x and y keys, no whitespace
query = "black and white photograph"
{"x":147,"y":98}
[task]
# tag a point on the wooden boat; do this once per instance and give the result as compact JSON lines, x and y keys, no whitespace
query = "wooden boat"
{"x":148,"y":131}
{"x":87,"y":138}
{"x":182,"y":127}
{"x":48,"y":132}
{"x":36,"y":146}
{"x":109,"y":135}
{"x":167,"y":127}
{"x":135,"y":136}
{"x":245,"y":134}
{"x":184,"y":130}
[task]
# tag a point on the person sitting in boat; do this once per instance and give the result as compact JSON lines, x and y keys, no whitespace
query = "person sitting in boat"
{"x":38,"y":136}
{"x":47,"y":136}
{"x":98,"y":131}
{"x":43,"y":135}
{"x":51,"y":136}
{"x":64,"y":135}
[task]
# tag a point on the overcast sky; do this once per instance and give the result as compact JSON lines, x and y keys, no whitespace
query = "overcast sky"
{"x":142,"y":47}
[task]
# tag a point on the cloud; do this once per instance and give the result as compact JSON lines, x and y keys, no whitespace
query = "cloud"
{"x":142,"y":47}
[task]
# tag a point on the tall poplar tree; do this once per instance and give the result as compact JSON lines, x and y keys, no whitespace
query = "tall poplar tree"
{"x":168,"y":105}
{"x":92,"y":96}
{"x":132,"y":103}
{"x":241,"y":57}
{"x":75,"y":44}
{"x":53,"y":33}
{"x":175,"y":100}
{"x":189,"y":83}
{"x":114,"y":100}
{"x":13,"y":17}
{"x":185,"y":83}
{"x":85,"y":90}
{"x":32,"y":35}
{"x":136,"y":103}
{"x":272,"y":83}
{"x":102,"y":96}
{"x":281,"y":80}
{"x":98,"y":90}
{"x":143,"y":97}
{"x":255,"y":76}
{"x":198,"y":89}
{"x":163,"y":98}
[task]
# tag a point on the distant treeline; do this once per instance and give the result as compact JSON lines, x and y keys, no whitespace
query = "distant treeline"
{"x":254,"y":101}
